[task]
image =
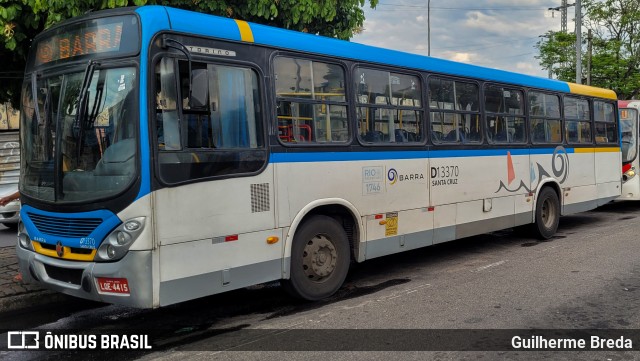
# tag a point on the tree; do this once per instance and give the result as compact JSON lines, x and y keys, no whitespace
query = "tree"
{"x":615,"y":63}
{"x":22,"y":20}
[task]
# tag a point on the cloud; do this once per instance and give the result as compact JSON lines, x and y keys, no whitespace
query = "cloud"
{"x":494,"y":33}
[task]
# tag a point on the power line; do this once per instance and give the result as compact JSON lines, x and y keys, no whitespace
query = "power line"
{"x":411,"y":7}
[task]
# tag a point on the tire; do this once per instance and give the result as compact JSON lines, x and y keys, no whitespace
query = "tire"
{"x":547,"y":214}
{"x":320,"y":259}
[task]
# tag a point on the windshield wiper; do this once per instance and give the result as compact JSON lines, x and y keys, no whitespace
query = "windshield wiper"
{"x":81,"y":110}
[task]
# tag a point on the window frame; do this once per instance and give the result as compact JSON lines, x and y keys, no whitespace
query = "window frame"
{"x":525,"y":114}
{"x":153,"y":143}
{"x":545,"y":118}
{"x":275,"y":99}
{"x":589,"y":101}
{"x":356,"y":105}
{"x":615,"y":124}
{"x":479,"y":113}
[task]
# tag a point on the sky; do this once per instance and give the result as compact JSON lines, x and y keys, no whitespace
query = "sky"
{"x":498,"y":34}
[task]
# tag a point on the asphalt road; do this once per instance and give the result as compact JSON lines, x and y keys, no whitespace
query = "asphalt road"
{"x":587,"y":277}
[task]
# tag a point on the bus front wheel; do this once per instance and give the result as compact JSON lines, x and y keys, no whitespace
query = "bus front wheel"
{"x":320,"y":259}
{"x":547,"y":213}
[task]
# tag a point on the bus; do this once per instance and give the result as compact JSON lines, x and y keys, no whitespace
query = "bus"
{"x":629,"y":111}
{"x":200,"y":154}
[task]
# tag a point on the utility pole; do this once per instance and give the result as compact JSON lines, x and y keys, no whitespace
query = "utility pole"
{"x":589,"y":55}
{"x":429,"y":27}
{"x":563,"y":14}
{"x":578,"y":42}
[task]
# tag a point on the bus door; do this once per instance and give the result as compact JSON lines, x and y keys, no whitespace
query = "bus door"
{"x":629,"y":148}
{"x":218,"y":203}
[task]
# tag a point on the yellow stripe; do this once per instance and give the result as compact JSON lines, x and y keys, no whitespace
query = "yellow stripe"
{"x":67,"y":253}
{"x":596,"y":150}
{"x":245,"y":31}
{"x":592,"y":91}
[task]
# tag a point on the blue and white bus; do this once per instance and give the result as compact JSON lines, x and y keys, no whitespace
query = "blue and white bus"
{"x":169,"y":155}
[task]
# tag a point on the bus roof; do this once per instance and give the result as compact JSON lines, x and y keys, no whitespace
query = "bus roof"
{"x":235,"y":30}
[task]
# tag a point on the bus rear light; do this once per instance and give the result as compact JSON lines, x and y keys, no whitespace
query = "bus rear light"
{"x":630,"y":173}
{"x":113,"y":285}
{"x":626,"y":167}
{"x":231,"y":238}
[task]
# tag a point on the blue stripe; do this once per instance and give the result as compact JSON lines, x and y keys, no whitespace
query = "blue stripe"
{"x":310,"y":157}
{"x":154,"y":19}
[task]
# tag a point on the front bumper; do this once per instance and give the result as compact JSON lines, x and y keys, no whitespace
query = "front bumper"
{"x":79,"y":279}
{"x":10,"y":214}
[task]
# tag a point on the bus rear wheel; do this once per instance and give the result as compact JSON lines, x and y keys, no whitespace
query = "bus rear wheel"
{"x":320,"y":259}
{"x":547,"y":213}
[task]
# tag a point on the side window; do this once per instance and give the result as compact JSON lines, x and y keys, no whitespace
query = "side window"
{"x":604,"y":115}
{"x":167,"y":124}
{"x":504,"y":112}
{"x":577,"y":120}
{"x":455,"y":111}
{"x":311,"y":102}
{"x":389,"y":107}
{"x":215,"y":132}
{"x":546,"y":124}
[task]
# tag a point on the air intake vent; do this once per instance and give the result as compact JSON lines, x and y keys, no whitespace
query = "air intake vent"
{"x":260,"y":197}
{"x":65,"y":227}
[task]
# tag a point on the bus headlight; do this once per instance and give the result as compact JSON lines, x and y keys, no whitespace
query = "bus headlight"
{"x":23,"y":237}
{"x":117,"y":243}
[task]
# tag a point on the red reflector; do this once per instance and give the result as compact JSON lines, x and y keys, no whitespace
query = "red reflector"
{"x":431,"y":209}
{"x":626,"y":167}
{"x":113,"y":285}
{"x":378,"y":216}
{"x":231,"y":238}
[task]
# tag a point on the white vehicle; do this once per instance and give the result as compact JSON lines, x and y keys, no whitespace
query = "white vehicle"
{"x":9,"y":176}
{"x":200,"y":154}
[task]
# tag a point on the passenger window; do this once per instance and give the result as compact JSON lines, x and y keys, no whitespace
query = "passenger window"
{"x":606,"y":126}
{"x":389,"y":107}
{"x":577,"y":120}
{"x":311,"y":102}
{"x":546,"y":125}
{"x":455,"y":111}
{"x":504,"y":115}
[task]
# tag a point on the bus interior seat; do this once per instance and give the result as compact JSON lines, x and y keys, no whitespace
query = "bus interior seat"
{"x":401,"y":136}
{"x":374,"y":136}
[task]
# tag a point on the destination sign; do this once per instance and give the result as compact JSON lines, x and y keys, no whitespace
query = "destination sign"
{"x":90,"y":38}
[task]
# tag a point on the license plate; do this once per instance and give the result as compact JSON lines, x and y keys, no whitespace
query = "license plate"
{"x":113,"y":285}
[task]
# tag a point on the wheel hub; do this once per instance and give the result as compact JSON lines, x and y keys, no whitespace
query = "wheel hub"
{"x":319,"y":258}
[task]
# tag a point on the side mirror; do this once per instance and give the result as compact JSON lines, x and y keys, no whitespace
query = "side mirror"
{"x":199,"y":88}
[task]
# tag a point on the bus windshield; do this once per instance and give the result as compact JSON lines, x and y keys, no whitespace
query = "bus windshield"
{"x":79,"y":150}
{"x":629,"y":132}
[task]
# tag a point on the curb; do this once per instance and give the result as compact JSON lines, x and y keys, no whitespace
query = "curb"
{"x":31,"y":299}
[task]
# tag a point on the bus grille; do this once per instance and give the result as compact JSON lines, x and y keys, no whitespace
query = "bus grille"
{"x":65,"y":227}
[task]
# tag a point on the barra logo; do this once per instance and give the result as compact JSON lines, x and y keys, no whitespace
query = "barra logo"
{"x":393,"y":176}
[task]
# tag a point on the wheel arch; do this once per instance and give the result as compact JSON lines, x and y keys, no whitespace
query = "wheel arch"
{"x":553,"y":184}
{"x":341,"y":210}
